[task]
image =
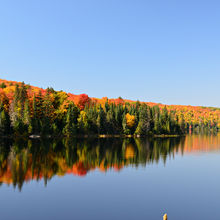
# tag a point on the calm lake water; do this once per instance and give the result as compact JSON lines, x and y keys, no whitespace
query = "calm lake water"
{"x":111,"y":179}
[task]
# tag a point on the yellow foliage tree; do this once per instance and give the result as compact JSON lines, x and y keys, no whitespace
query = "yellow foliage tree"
{"x":130,"y":119}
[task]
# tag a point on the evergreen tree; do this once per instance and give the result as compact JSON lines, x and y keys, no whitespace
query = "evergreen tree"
{"x":27,"y":117}
{"x":70,"y":127}
{"x":4,"y":123}
{"x":101,"y":119}
{"x":110,"y":122}
{"x":143,"y":127}
{"x":22,"y":98}
{"x":2,"y":85}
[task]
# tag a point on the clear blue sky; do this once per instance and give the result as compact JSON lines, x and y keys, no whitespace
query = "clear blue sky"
{"x":160,"y":50}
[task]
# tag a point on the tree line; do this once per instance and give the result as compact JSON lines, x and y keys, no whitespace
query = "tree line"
{"x":52,"y":113}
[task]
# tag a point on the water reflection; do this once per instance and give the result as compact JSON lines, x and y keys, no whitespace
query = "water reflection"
{"x":22,"y":161}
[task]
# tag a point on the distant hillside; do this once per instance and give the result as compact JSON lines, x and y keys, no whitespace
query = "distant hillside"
{"x":196,"y":116}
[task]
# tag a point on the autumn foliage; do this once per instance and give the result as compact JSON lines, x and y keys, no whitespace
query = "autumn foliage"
{"x":130,"y":119}
{"x":26,"y":110}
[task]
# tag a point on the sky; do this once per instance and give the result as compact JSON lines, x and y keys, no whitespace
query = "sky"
{"x":148,"y":50}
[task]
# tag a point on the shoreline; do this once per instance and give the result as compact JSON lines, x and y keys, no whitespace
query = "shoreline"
{"x":94,"y":136}
{"x":101,"y":136}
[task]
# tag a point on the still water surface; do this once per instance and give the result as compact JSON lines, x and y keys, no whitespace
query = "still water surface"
{"x":111,"y":179}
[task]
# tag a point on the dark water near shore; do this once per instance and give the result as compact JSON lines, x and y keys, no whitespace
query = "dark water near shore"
{"x":111,"y":178}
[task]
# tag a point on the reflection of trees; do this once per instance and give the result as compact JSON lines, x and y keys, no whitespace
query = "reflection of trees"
{"x":22,"y":161}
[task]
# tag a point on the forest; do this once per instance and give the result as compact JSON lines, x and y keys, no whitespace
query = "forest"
{"x":27,"y":110}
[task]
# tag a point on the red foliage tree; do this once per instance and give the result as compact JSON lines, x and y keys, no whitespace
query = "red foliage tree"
{"x":83,"y":99}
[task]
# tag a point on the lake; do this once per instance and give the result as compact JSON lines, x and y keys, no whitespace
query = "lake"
{"x":111,"y":178}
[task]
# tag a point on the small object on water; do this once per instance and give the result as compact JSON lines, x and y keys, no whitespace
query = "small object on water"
{"x":34,"y":136}
{"x":165,"y":217}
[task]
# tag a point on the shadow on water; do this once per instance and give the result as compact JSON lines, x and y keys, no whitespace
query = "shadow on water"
{"x":25,"y":160}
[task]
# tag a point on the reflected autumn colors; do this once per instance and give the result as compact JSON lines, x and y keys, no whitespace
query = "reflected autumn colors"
{"x":23,"y":161}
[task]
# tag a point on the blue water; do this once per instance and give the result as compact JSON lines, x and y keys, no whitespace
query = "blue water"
{"x":186,"y":186}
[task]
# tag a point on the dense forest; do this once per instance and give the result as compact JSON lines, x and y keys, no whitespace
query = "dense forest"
{"x":26,"y":110}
